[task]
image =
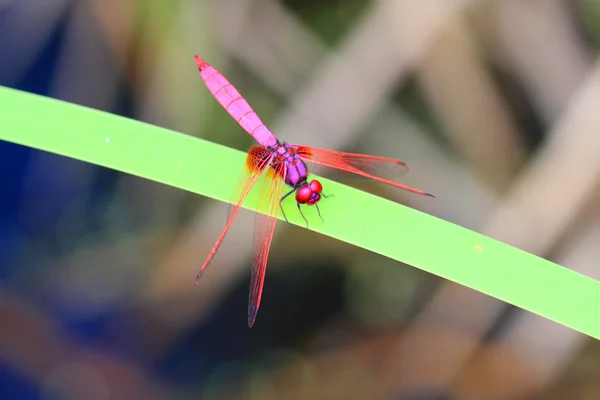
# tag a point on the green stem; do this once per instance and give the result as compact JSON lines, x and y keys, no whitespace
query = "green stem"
{"x":356,"y":217}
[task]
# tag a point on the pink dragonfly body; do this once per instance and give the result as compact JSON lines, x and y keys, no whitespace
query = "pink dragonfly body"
{"x":285,"y":165}
{"x":235,"y":104}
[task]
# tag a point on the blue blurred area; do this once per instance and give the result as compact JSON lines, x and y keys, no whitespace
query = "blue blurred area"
{"x":51,"y":192}
{"x":14,"y":158}
{"x":14,"y":162}
{"x":14,"y":386}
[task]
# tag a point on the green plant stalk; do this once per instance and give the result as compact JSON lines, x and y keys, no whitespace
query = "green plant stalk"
{"x":356,"y":217}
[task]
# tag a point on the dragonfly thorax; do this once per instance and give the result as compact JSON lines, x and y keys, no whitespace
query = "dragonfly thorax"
{"x":295,"y":169}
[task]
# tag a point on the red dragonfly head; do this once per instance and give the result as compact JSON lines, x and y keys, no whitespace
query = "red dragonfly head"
{"x":309,"y":193}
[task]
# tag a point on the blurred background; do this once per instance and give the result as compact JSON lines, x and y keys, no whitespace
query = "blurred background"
{"x":494,"y":104}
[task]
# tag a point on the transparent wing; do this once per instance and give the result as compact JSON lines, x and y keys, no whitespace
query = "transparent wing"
{"x":378,"y":168}
{"x":257,"y":161}
{"x":264,"y":226}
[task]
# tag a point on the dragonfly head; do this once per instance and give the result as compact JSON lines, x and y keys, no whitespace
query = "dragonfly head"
{"x":309,"y":193}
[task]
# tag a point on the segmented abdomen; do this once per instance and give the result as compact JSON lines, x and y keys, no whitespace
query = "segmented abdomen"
{"x":236,"y":105}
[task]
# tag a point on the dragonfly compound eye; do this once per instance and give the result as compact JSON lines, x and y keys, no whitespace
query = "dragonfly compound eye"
{"x":315,"y":186}
{"x":313,"y":199}
{"x":303,"y":194}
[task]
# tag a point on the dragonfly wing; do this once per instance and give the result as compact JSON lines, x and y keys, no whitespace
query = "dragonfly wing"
{"x":381,"y":169}
{"x":264,"y":226}
{"x":257,"y":161}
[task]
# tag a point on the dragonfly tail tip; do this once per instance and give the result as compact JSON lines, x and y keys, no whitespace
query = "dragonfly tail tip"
{"x":200,"y":62}
{"x":252,"y":318}
{"x":196,"y":281}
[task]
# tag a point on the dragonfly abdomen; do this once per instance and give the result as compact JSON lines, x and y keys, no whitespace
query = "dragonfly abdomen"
{"x":233,"y":102}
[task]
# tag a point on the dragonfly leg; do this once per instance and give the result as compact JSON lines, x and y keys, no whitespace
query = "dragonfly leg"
{"x":319,"y":211}
{"x":299,"y":210}
{"x":326,"y":195}
{"x":281,"y":201}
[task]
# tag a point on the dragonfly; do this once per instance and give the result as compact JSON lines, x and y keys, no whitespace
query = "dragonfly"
{"x":285,"y":165}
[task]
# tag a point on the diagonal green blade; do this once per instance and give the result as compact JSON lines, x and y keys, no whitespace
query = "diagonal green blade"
{"x":356,"y":217}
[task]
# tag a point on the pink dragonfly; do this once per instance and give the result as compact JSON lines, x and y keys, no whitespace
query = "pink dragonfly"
{"x":285,"y":166}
